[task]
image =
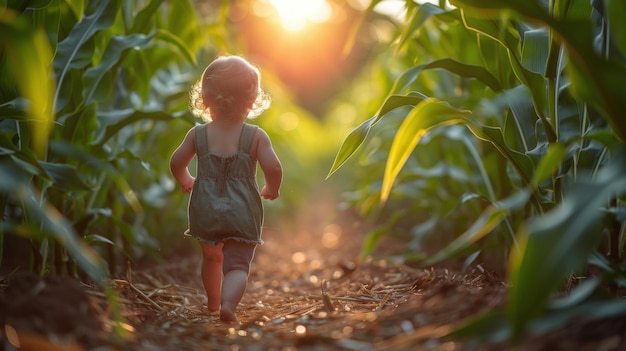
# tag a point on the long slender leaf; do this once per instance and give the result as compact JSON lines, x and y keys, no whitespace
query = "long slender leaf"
{"x":535,"y":50}
{"x":522,"y":117}
{"x":615,"y":10}
{"x":453,"y":66}
{"x":521,"y":162}
{"x":53,"y":222}
{"x":594,"y":79}
{"x":178,"y":43}
{"x":65,"y":176}
{"x":102,"y":167}
{"x":77,"y":7}
{"x":396,"y":101}
{"x":558,"y":244}
{"x":426,"y":115}
{"x":28,"y":47}
{"x":420,"y":15}
{"x":113,"y":122}
{"x":141,"y":22}
{"x":75,"y":50}
{"x":509,"y":38}
{"x":491,"y":217}
{"x":351,"y":143}
{"x":112,"y":56}
{"x":549,"y":164}
{"x":356,"y":137}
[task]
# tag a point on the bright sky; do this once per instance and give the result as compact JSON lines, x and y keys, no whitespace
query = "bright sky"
{"x":295,"y":15}
{"x":396,"y":7}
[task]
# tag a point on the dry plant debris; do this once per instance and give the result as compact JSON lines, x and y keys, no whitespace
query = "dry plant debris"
{"x":302,"y":295}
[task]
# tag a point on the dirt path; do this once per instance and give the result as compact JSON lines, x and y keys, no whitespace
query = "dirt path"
{"x":293,"y":306}
{"x":306,"y":292}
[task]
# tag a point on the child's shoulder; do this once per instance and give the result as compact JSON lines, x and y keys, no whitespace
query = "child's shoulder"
{"x":191,"y":133}
{"x":259,"y":131}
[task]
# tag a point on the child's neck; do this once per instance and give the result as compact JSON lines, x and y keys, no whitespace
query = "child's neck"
{"x":227,"y":123}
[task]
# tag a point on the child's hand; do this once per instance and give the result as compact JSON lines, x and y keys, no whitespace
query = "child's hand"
{"x":268,"y":194}
{"x":188,"y":185}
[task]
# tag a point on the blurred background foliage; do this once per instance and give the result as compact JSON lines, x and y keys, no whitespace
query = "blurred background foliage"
{"x":473,"y":133}
{"x":94,"y":101}
{"x":500,"y":146}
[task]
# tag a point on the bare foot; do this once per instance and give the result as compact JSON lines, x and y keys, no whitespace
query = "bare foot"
{"x":213,"y":310}
{"x":228,"y":316}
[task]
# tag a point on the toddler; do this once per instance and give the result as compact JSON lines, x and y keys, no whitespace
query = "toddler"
{"x":225,"y":209}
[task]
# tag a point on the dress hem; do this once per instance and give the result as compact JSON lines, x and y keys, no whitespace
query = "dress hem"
{"x":233,"y":238}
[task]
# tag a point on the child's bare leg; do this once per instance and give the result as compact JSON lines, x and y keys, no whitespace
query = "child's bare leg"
{"x":212,"y":260}
{"x":233,"y":288}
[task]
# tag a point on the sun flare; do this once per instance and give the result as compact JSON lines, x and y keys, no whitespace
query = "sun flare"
{"x":295,"y":15}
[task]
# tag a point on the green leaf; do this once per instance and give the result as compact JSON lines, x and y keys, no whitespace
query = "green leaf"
{"x":594,"y":80}
{"x":141,"y":22}
{"x":493,"y":8}
{"x":76,"y":50}
{"x":178,"y":43}
{"x":578,"y":295}
{"x":424,"y":116}
{"x":396,"y":101}
{"x":615,"y":11}
{"x":94,"y":239}
{"x":371,"y":241}
{"x":26,"y":4}
{"x":77,"y":7}
{"x":522,"y":117}
{"x":596,"y":309}
{"x":535,"y":50}
{"x":21,"y":162}
{"x":506,"y":33}
{"x":491,"y":326}
{"x":491,"y":217}
{"x":112,"y":122}
{"x":453,"y":66}
{"x":65,"y":176}
{"x":354,"y":29}
{"x":605,"y":137}
{"x":558,"y":244}
{"x":113,"y":54}
{"x":183,"y":20}
{"x":356,"y":137}
{"x":521,"y":162}
{"x":79,"y":154}
{"x":351,"y":143}
{"x":549,"y":164}
{"x":53,"y":223}
{"x":100,"y":165}
{"x":28,"y":47}
{"x":420,"y":15}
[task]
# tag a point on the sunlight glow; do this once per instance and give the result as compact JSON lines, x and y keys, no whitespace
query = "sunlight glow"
{"x":298,"y":257}
{"x":300,"y":330}
{"x":295,"y":15}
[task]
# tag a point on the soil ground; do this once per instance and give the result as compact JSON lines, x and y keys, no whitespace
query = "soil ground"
{"x":306,"y":292}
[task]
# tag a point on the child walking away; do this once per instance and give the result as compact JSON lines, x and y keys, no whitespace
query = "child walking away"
{"x":225,"y":208}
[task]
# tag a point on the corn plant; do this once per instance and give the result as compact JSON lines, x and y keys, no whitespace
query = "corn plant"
{"x":87,"y":88}
{"x":537,"y":87}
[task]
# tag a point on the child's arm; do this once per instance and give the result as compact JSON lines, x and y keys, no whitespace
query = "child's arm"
{"x":180,"y":159}
{"x":270,"y":164}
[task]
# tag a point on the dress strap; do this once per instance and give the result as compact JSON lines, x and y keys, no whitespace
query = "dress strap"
{"x":201,"y":142}
{"x":247,"y":136}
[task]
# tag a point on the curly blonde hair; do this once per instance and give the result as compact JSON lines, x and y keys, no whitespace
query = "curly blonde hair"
{"x":230,"y":87}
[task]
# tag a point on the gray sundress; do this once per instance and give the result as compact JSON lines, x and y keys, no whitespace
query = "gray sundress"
{"x":225,"y":202}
